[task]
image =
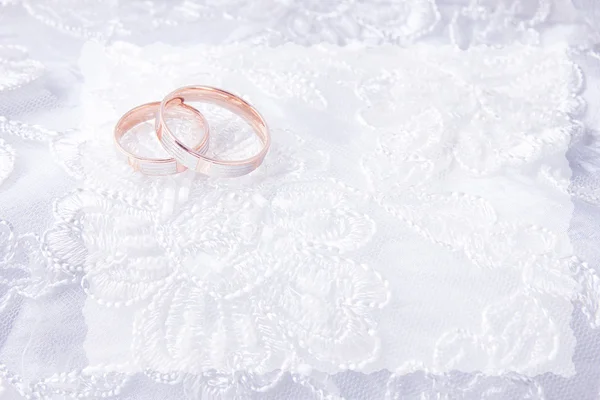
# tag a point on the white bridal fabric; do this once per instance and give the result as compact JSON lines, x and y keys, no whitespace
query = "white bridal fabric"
{"x":391,"y":194}
{"x":424,"y":226}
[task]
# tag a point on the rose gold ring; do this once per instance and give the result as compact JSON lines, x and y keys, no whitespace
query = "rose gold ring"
{"x":196,"y":160}
{"x":147,"y":112}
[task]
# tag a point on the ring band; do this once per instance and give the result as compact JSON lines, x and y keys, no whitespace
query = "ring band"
{"x":149,"y":111}
{"x":196,"y":160}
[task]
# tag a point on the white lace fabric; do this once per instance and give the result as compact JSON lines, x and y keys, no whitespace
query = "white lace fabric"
{"x":344,"y":251}
{"x":407,"y":236}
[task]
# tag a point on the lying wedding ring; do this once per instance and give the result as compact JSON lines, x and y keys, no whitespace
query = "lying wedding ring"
{"x":196,"y":160}
{"x":147,"y":112}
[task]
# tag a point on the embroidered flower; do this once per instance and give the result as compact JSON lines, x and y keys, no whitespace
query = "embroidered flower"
{"x":341,"y":22}
{"x":325,"y":305}
{"x":16,"y":68}
{"x":204,"y":280}
{"x":396,"y":21}
{"x":24,"y":270}
{"x":494,"y":22}
{"x":487,"y":130}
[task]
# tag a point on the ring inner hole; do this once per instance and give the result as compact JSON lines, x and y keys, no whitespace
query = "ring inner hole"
{"x":142,"y":141}
{"x":231,"y":137}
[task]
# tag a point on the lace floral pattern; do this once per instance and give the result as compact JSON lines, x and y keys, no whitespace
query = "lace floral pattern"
{"x":463,"y":23}
{"x":16,"y":68}
{"x":308,"y":22}
{"x":225,"y":267}
{"x":26,"y":273}
{"x":413,"y":136}
{"x":483,"y":21}
{"x":27,"y":277}
{"x":380,"y":21}
{"x":439,"y":175}
{"x":220,"y":284}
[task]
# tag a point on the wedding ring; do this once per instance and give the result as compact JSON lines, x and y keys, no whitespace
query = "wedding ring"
{"x":147,"y":112}
{"x":196,"y":160}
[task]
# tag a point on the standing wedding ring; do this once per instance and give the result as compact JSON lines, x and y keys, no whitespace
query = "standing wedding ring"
{"x":186,"y":156}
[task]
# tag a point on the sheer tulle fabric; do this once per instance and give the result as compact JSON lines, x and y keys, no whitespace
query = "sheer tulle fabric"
{"x":423,"y":227}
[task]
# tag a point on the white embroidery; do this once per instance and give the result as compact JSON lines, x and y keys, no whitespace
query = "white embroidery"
{"x":25,"y":271}
{"x":266,"y":271}
{"x":239,"y":267}
{"x":16,"y":68}
{"x":232,"y":288}
{"x":309,"y":22}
